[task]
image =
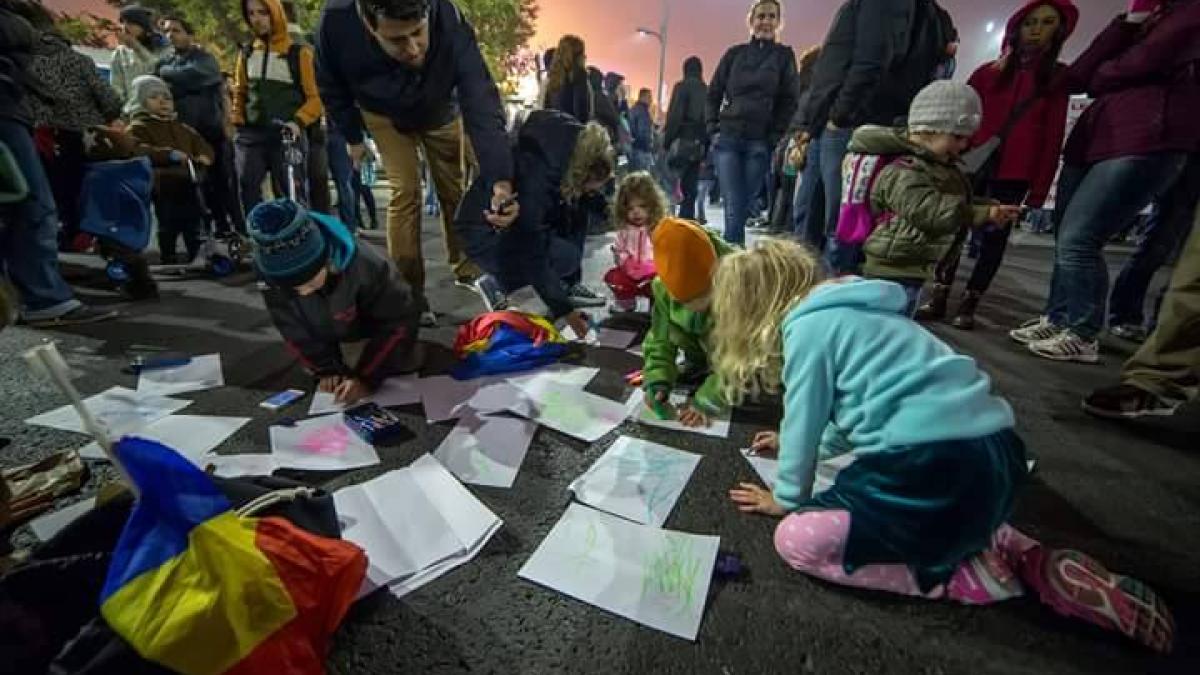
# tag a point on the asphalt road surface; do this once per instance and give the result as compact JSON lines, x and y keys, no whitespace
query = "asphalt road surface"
{"x":1128,"y":494}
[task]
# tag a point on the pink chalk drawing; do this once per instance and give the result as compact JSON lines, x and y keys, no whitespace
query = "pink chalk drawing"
{"x":331,"y":441}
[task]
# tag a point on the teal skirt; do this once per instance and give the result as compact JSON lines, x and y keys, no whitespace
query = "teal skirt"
{"x":929,"y":506}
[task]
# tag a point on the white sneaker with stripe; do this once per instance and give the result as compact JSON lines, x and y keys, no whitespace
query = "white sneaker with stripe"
{"x":1035,"y":330}
{"x":1067,"y":346}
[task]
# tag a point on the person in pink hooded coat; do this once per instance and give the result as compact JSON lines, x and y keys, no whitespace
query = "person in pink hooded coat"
{"x":1025,"y":105}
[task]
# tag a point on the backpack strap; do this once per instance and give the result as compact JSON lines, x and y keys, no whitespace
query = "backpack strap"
{"x":293,"y":63}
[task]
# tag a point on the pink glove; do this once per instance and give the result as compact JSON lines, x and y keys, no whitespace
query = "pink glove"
{"x":1140,"y":10}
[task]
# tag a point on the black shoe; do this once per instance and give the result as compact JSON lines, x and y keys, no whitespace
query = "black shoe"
{"x":77,"y":317}
{"x":1127,"y":402}
{"x":491,"y":292}
{"x":582,"y":296}
{"x":935,"y":309}
{"x":965,"y":319}
{"x":466,"y":281}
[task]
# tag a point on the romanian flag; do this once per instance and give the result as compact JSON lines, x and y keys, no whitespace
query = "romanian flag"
{"x":506,"y":342}
{"x":199,"y":589}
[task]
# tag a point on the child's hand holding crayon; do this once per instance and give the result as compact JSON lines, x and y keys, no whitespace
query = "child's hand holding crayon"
{"x":351,"y":390}
{"x":765,"y":444}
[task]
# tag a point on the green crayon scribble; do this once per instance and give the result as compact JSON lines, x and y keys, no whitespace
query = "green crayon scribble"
{"x":670,"y":574}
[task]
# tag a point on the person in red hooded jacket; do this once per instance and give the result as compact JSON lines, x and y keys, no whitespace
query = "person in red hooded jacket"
{"x":1024,"y":106}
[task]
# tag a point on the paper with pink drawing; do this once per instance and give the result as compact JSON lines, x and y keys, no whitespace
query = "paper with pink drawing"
{"x":320,"y":444}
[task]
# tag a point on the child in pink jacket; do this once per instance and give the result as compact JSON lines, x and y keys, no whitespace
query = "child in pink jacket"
{"x":639,"y":206}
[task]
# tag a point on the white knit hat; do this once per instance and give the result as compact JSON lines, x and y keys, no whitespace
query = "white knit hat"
{"x":946,"y":107}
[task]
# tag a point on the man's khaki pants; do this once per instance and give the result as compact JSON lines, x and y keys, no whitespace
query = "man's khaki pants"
{"x":1168,"y":364}
{"x":449,"y":157}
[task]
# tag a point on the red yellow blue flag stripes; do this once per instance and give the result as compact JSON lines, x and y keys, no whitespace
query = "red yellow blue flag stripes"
{"x":198,"y":589}
{"x":506,"y":342}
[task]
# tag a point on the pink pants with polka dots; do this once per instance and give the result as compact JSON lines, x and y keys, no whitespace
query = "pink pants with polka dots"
{"x":814,"y":542}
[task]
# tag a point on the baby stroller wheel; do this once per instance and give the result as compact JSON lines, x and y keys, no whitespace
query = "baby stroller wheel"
{"x":118,"y":272}
{"x":221,"y":266}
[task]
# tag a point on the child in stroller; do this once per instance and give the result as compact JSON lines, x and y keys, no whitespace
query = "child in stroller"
{"x":177,"y":152}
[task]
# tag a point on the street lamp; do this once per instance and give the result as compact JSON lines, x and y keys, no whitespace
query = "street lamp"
{"x":661,"y":34}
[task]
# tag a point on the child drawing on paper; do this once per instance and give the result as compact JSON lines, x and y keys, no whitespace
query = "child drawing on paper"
{"x":936,"y":452}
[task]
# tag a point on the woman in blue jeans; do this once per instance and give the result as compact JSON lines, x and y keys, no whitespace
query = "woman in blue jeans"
{"x":1129,"y":148}
{"x":750,"y":105}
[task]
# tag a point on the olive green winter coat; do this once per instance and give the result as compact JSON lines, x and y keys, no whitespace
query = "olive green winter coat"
{"x":920,"y":201}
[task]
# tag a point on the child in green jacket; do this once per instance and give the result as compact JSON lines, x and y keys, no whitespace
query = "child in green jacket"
{"x":922,"y":200}
{"x":685,"y":256}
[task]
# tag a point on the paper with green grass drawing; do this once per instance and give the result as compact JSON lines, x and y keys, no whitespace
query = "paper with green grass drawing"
{"x":636,"y":479}
{"x":658,"y":578}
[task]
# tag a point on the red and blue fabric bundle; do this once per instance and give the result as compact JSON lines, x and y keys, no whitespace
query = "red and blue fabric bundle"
{"x":506,"y":342}
{"x":199,"y":589}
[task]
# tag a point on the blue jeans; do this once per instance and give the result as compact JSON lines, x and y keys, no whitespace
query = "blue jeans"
{"x":29,"y":235}
{"x":1166,"y":231}
{"x":704,"y":187}
{"x":742,"y":166}
{"x":842,"y":258}
{"x":1094,"y":202}
{"x":342,"y":172}
{"x":808,"y":211}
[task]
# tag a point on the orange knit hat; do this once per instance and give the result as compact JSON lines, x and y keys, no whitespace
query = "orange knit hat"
{"x":685,"y":258}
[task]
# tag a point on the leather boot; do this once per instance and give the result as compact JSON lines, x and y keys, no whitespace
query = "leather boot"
{"x":965,"y":319}
{"x":935,"y":309}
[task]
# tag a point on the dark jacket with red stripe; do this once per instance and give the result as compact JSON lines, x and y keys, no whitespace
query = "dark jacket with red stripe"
{"x":364,"y":299}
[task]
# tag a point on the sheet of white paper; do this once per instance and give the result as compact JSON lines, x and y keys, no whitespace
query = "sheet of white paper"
{"x":767,"y":469}
{"x":236,"y":466}
{"x":204,"y":372}
{"x":395,"y":391}
{"x":570,"y":410}
{"x":45,"y":527}
{"x":192,"y":436}
{"x":320,"y":444}
{"x":655,"y":577}
{"x":472,"y":522}
{"x":718,"y":427}
{"x":119,"y":409}
{"x":603,"y":337}
{"x":323,"y":403}
{"x":636,"y":479}
{"x":487,"y":450}
{"x":573,"y":376}
{"x":393,"y":520}
{"x":443,"y":395}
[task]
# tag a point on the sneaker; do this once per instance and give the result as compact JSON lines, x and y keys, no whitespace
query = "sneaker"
{"x":623,"y":306}
{"x":1067,"y":346}
{"x":1127,"y":402}
{"x":582,"y":296}
{"x":429,"y":320}
{"x":1035,"y":330}
{"x":493,"y":295}
{"x":1129,"y":331}
{"x":1074,"y":585}
{"x":77,"y":317}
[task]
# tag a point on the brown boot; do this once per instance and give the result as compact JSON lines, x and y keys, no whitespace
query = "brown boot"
{"x":965,"y":319}
{"x":935,"y":309}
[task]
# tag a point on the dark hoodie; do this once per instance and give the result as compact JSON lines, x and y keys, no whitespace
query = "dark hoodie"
{"x":1031,"y":150}
{"x":685,"y":115}
{"x":354,"y":72}
{"x":604,"y":111}
{"x":365,"y":298}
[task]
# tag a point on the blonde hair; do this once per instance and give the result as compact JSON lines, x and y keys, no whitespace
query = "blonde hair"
{"x":640,"y":186}
{"x":752,"y":293}
{"x":592,"y":159}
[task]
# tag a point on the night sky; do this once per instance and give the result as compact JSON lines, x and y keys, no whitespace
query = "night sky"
{"x":707,"y":27}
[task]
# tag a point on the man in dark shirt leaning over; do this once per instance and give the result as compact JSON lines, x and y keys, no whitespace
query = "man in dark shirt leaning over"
{"x":410,"y":73}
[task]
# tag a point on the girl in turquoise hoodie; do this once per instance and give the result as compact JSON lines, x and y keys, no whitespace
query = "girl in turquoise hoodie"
{"x":921,"y":507}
